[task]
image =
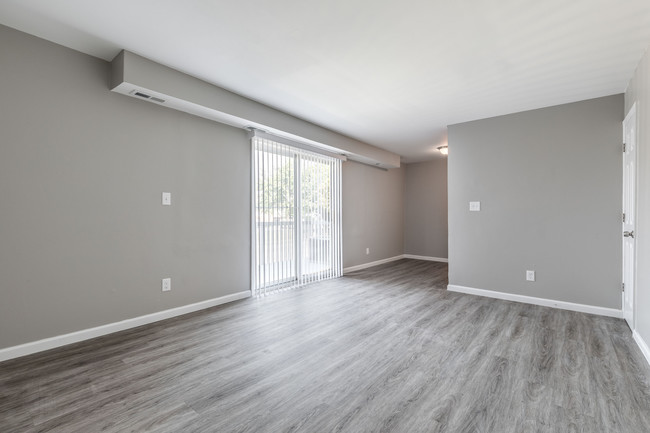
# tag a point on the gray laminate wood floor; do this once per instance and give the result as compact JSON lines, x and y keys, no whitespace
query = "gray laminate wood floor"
{"x":386,"y":349}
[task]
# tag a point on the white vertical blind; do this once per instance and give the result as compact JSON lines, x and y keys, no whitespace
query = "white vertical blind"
{"x":296,"y":216}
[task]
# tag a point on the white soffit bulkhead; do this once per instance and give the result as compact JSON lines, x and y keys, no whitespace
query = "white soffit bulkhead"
{"x":141,"y":78}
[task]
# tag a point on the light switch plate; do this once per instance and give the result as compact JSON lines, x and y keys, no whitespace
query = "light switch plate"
{"x":475,"y":206}
{"x":166,"y":198}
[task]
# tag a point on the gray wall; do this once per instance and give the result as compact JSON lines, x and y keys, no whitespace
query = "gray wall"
{"x":425,"y":208}
{"x":549,"y":182}
{"x":372,"y":213}
{"x":84,"y":239}
{"x":639,"y":91}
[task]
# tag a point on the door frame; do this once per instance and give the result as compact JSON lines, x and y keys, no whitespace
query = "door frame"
{"x":630,"y":290}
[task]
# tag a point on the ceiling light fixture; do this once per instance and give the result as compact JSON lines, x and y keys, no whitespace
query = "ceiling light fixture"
{"x":443,"y":149}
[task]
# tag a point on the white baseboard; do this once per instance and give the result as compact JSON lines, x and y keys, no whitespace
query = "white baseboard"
{"x":371,"y":264}
{"x":87,"y":334}
{"x":582,"y":308}
{"x":392,"y":259}
{"x":428,"y":258}
{"x":642,"y":345}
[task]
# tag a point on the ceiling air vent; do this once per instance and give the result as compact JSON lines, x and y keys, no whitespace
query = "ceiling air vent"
{"x":145,"y":96}
{"x":140,"y":94}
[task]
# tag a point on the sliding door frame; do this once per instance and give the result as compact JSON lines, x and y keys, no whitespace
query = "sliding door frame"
{"x":260,"y":150}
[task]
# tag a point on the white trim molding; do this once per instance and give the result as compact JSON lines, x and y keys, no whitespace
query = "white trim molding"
{"x":371,"y":264}
{"x":582,"y":308}
{"x":87,"y":334}
{"x":642,"y":345}
{"x":392,"y":259}
{"x":427,"y":258}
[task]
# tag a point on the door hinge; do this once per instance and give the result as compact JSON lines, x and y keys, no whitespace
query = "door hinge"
{"x":623,"y":216}
{"x":623,"y":147}
{"x":623,"y":286}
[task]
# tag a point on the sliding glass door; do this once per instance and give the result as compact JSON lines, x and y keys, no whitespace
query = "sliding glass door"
{"x":296,"y":216}
{"x":275,"y":215}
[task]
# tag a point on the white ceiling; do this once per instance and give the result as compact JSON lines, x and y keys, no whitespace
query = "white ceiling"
{"x":387,"y":72}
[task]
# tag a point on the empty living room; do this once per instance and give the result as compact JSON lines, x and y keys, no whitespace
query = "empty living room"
{"x":325,"y":216}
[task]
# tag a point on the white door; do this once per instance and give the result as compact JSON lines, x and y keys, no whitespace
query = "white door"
{"x":629,"y":214}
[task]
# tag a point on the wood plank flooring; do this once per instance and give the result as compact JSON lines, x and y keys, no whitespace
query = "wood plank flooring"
{"x":385,"y":349}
